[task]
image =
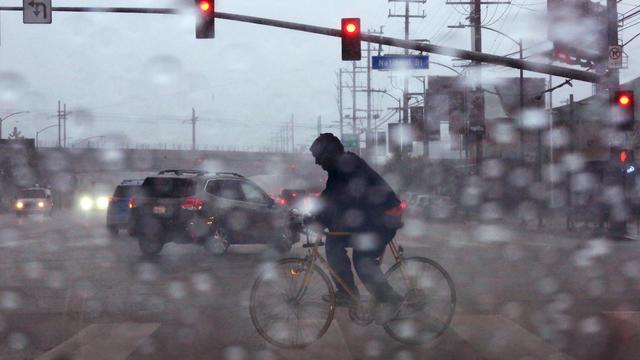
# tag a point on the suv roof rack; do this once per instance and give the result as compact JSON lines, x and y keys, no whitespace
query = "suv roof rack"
{"x":132,"y":182}
{"x":229,"y":173}
{"x":182,"y":172}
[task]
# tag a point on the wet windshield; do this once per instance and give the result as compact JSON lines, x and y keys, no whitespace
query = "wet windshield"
{"x":32,"y":194}
{"x":262,"y":180}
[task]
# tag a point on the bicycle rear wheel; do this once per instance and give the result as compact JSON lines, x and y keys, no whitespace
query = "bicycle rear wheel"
{"x":287,"y":308}
{"x":429,"y":300}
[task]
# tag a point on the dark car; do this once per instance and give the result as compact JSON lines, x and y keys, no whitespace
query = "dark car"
{"x":210,"y":209}
{"x":120,"y":204}
{"x":292,"y":197}
{"x":299,"y":199}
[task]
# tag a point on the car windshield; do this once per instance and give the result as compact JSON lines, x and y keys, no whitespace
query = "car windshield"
{"x":126,"y":191}
{"x":33,"y":194}
{"x":473,"y":190}
{"x":160,"y":187}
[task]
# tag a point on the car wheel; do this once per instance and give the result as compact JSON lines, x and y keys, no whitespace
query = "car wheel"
{"x":218,"y":242}
{"x":150,"y":245}
{"x":113,"y":230}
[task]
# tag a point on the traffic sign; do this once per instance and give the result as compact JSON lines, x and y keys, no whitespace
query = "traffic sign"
{"x":36,"y":11}
{"x":615,"y":57}
{"x":400,"y":62}
{"x":351,"y":142}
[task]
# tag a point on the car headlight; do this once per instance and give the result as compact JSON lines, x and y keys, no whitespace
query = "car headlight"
{"x":86,"y":203}
{"x":102,"y":202}
{"x":40,"y":204}
{"x":19,"y":205}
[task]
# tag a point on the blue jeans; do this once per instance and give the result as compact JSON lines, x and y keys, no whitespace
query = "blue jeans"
{"x":367,"y":248}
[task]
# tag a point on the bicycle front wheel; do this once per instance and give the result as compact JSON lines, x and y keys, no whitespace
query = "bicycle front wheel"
{"x":292,"y":304}
{"x":429,"y":300}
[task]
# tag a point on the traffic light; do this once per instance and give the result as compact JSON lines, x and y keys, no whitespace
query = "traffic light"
{"x":623,"y":110}
{"x":572,"y":55}
{"x":351,"y":39}
{"x":624,"y":158}
{"x":205,"y":20}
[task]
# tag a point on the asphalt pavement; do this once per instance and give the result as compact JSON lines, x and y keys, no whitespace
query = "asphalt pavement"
{"x":69,"y":290}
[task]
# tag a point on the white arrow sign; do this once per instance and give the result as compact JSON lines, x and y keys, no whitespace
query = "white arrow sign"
{"x":36,"y":11}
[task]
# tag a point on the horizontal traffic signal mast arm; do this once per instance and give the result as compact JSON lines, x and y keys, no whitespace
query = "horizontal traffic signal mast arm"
{"x":377,"y":39}
{"x":430,"y":48}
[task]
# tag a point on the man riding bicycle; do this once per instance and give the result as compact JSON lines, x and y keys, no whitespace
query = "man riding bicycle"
{"x":359,"y":201}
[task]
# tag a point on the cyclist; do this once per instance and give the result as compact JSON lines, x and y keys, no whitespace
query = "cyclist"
{"x":359,"y":201}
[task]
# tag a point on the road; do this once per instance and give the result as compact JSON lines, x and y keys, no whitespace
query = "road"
{"x":68,"y":290}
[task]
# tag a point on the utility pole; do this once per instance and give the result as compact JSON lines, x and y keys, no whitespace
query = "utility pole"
{"x":59,"y":125}
{"x":353,"y":90}
{"x":319,"y":125}
{"x":476,"y":126}
{"x":367,"y":135}
{"x":64,"y":125}
{"x":476,"y":22}
{"x":293,"y":148}
{"x":618,"y":215}
{"x":612,"y":40}
{"x":340,"y":107}
{"x":572,"y":148}
{"x":369,"y":143}
{"x":193,"y":128}
{"x":284,"y":136}
{"x":405,"y":97}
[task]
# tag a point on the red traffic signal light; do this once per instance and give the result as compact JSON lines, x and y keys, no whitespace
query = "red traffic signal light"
{"x":351,"y":27}
{"x":623,"y":109}
{"x":351,"y":39}
{"x":205,"y":19}
{"x":623,"y":156}
{"x":624,"y":100}
{"x":206,"y":6}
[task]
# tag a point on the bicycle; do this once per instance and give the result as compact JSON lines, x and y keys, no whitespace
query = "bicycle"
{"x":287,"y":308}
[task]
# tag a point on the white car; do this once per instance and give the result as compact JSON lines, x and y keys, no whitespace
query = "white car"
{"x":34,"y":200}
{"x":89,"y":203}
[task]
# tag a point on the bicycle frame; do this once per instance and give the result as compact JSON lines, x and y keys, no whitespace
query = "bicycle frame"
{"x":313,"y":255}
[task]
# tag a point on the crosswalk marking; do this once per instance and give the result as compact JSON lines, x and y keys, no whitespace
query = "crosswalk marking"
{"x":102,"y":342}
{"x":496,"y":337}
{"x":330,"y":346}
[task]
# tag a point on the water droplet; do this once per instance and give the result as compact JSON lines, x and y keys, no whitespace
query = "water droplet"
{"x":590,"y":325}
{"x":18,"y":341}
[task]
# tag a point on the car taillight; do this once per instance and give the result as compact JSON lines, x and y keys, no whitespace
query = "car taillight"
{"x":132,"y":202}
{"x":192,"y":204}
{"x":281,"y":200}
{"x":397,"y":211}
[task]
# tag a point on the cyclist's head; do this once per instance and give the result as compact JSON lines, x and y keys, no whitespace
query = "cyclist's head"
{"x":326,"y":149}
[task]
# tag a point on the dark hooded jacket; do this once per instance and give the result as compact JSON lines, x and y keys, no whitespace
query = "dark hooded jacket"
{"x":357,"y":199}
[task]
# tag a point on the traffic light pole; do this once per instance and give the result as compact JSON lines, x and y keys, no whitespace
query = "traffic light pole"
{"x":373,"y":38}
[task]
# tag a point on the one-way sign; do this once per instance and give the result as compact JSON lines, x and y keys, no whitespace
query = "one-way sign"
{"x":36,"y":11}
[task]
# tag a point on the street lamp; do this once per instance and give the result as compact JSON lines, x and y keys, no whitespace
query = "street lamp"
{"x":8,"y":116}
{"x":43,"y":129}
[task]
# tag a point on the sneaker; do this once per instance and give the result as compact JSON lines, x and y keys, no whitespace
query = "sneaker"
{"x":386,"y":311}
{"x":342,"y":299}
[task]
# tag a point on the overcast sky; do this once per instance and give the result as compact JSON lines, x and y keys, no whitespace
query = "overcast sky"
{"x":138,"y":76}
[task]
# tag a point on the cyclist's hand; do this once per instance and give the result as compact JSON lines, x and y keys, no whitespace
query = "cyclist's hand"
{"x":308,"y":219}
